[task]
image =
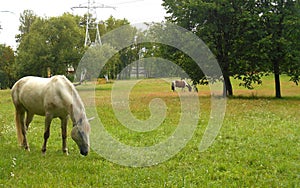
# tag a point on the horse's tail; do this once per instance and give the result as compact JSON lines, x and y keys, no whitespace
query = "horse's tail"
{"x":18,"y":114}
{"x":173,"y":86}
{"x":18,"y":119}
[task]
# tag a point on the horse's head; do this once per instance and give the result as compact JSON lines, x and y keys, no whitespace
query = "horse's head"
{"x":80,"y":134}
{"x":189,"y":86}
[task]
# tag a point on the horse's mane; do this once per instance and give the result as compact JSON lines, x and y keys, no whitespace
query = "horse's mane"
{"x":77,"y":104}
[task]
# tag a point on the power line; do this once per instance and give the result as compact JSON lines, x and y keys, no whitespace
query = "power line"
{"x":127,"y":2}
{"x":5,"y":11}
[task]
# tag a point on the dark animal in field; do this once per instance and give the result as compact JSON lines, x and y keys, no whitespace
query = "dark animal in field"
{"x":180,"y":84}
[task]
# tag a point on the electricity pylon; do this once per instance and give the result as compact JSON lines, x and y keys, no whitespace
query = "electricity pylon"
{"x":91,"y":9}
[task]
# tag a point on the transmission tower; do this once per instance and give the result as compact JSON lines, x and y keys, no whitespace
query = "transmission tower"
{"x":92,"y":10}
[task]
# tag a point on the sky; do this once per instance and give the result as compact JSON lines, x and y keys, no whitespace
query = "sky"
{"x":136,"y":11}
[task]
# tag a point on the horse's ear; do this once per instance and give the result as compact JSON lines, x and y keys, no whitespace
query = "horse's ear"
{"x":90,"y":119}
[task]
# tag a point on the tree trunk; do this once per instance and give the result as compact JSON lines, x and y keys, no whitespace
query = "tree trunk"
{"x":279,"y":54}
{"x":227,"y":83}
{"x":277,"y":79}
{"x":228,"y":87}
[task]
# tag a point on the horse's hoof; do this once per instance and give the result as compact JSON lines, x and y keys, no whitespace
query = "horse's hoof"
{"x":66,"y":152}
{"x":43,"y":152}
{"x":27,"y":148}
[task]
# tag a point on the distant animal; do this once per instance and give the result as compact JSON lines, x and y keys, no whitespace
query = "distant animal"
{"x":54,"y":97}
{"x":181,"y":84}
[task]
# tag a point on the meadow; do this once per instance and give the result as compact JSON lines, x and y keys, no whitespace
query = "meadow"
{"x":257,"y":146}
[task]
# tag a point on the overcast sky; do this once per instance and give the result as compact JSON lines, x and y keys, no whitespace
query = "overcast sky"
{"x":136,"y":11}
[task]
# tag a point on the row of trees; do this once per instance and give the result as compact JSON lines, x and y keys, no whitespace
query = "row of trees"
{"x":56,"y":43}
{"x":249,"y":38}
{"x":45,"y":44}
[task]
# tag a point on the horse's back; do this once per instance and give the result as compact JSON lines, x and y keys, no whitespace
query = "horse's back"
{"x":179,"y":83}
{"x":35,"y":94}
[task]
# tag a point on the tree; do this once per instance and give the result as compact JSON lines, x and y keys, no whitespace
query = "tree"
{"x":117,"y":32}
{"x":26,"y":19}
{"x":95,"y":59}
{"x":53,"y":43}
{"x":7,"y":72}
{"x":186,"y":67}
{"x":281,"y":21}
{"x":217,"y":24}
{"x":293,"y":35}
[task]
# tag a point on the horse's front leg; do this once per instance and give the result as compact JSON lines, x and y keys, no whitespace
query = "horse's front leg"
{"x":48,"y":120}
{"x":64,"y":123}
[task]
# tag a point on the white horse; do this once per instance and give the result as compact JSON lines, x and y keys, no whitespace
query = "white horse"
{"x":54,"y":97}
{"x":181,"y":84}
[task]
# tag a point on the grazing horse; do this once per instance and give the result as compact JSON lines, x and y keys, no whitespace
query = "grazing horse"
{"x":54,"y":97}
{"x":181,"y":84}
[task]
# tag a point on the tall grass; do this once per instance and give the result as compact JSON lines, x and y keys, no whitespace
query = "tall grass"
{"x":257,"y":146}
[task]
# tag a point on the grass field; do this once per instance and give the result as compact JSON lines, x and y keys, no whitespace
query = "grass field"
{"x":257,"y":146}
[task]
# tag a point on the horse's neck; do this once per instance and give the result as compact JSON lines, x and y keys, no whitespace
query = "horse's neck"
{"x":77,"y":110}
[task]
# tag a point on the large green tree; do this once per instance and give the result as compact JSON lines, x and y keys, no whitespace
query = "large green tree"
{"x":281,"y":23}
{"x":53,"y":43}
{"x":216,"y":23}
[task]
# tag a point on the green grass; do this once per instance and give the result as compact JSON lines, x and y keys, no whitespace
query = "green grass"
{"x":257,"y":146}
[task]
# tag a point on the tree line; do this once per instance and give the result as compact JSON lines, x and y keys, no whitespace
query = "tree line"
{"x":47,"y":45}
{"x":250,"y":39}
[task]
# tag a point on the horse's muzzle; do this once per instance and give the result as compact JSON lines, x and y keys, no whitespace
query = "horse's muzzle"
{"x":84,"y":152}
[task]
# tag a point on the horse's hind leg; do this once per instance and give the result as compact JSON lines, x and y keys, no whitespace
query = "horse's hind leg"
{"x":29,"y":118}
{"x":48,"y":120}
{"x":64,"y":123}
